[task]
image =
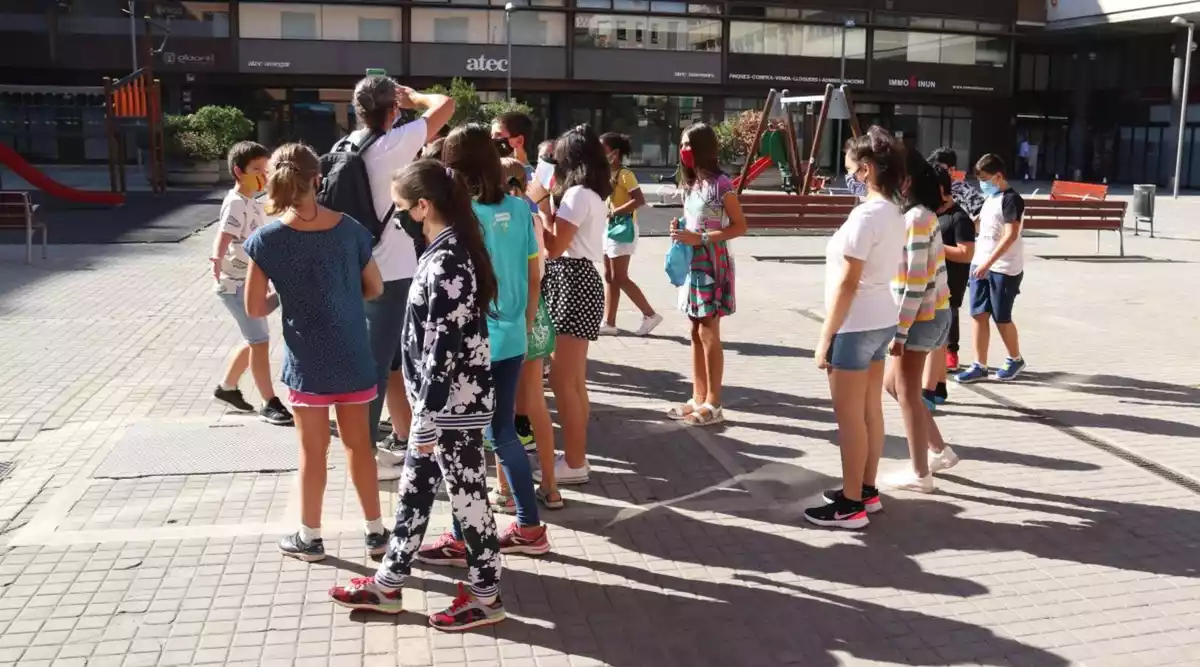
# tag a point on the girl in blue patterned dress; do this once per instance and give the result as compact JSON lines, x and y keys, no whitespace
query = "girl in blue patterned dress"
{"x":712,"y":217}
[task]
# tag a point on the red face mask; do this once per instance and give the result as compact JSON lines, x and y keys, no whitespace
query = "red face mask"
{"x":687,"y":158}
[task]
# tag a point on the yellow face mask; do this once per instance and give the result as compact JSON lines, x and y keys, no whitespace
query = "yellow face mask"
{"x":252,"y":182}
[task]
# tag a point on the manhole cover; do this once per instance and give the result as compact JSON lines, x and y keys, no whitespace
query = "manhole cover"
{"x":6,"y":467}
{"x":152,"y":449}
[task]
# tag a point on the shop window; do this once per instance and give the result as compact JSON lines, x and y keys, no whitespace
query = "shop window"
{"x":654,"y":124}
{"x":944,"y":48}
{"x":350,"y":23}
{"x":794,"y":39}
{"x":473,"y":26}
{"x":188,"y":19}
{"x":653,"y":7}
{"x":616,"y":31}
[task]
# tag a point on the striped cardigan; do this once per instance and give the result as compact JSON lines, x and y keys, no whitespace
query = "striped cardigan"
{"x":920,"y":285}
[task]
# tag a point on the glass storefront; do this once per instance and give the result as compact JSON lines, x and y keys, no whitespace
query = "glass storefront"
{"x":925,"y":128}
{"x":662,"y":33}
{"x":653,"y":122}
{"x":475,"y":26}
{"x":940,"y":47}
{"x":188,"y":19}
{"x":48,"y":125}
{"x":796,"y":39}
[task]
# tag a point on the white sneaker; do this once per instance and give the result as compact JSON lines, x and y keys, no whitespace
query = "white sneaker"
{"x":907,"y":480}
{"x":564,"y":474}
{"x":946,"y":460}
{"x":649,"y":324}
{"x":606,"y":330}
{"x":388,"y":473}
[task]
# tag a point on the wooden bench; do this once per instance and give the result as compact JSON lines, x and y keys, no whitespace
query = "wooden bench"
{"x":1076,"y":215}
{"x":1073,"y":191}
{"x":17,"y":212}
{"x":782,"y":211}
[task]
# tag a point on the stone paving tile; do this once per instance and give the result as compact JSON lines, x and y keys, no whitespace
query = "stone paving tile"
{"x":685,"y":547}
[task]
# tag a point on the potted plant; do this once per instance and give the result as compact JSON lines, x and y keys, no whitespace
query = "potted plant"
{"x":196,"y":144}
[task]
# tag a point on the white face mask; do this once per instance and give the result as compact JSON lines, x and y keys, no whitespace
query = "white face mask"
{"x":544,"y":173}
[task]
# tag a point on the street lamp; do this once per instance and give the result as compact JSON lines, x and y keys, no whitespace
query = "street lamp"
{"x":846,"y":27}
{"x":1187,"y":76}
{"x":508,"y":10}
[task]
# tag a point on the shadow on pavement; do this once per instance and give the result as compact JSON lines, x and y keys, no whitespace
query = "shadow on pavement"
{"x":145,"y":218}
{"x":1117,"y":386}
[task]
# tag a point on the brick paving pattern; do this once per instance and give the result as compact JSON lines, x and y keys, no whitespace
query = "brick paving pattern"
{"x":1066,"y":537}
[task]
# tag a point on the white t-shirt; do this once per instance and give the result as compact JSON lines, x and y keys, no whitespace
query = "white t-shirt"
{"x":586,"y":210}
{"x":240,"y":216}
{"x":395,"y":254}
{"x":998,"y":210}
{"x":875,"y":234}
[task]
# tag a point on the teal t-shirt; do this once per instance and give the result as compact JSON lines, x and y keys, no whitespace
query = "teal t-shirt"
{"x":508,"y":234}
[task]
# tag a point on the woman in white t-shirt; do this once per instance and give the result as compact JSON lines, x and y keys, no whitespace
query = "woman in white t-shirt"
{"x":574,"y":292}
{"x":860,"y":322}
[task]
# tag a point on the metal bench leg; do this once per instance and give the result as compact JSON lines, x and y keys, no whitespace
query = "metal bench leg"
{"x":44,"y":232}
{"x":1121,"y":239}
{"x":1097,"y":241}
{"x":29,"y":244}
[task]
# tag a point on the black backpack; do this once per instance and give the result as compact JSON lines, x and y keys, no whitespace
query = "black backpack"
{"x":345,"y":185}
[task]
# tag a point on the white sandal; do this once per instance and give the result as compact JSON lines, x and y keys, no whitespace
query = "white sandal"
{"x":715,"y":415}
{"x":681,"y":412}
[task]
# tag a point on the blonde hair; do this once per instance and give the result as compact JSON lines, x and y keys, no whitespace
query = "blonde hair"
{"x":291,"y":172}
{"x":513,"y":170}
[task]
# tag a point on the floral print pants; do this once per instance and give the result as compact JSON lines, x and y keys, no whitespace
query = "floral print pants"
{"x":457,"y":456}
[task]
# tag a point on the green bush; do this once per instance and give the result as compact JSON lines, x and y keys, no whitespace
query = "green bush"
{"x":469,"y":109}
{"x":205,"y":135}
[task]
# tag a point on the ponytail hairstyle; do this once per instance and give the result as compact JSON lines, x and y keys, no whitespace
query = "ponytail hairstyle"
{"x":880,"y":149}
{"x":437,"y":184}
{"x":705,"y":151}
{"x":923,"y":187}
{"x":515,"y":177}
{"x":470,"y":152}
{"x":293,"y":172}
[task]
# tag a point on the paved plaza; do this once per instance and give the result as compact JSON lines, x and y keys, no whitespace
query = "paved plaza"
{"x":1069,"y":534}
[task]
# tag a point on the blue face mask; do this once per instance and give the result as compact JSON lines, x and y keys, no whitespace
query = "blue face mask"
{"x":988,"y":188}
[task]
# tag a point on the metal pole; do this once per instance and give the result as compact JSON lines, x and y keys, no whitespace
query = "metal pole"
{"x":1187,"y":77}
{"x":508,"y":41}
{"x":133,"y":33}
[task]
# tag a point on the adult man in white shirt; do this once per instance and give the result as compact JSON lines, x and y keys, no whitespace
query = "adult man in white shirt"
{"x":378,"y":101}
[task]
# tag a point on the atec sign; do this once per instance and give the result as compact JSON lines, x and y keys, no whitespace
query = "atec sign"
{"x":912,"y":82}
{"x":484,"y":64}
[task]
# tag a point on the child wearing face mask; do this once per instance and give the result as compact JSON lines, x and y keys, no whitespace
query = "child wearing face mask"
{"x":712,"y":217}
{"x":241,"y":215}
{"x":320,"y":263}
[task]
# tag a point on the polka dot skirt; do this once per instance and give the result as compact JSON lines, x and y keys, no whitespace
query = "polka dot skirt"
{"x":574,"y":295}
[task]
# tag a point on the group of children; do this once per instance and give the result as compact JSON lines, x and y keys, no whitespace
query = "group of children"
{"x":504,"y":280}
{"x":896,"y":273}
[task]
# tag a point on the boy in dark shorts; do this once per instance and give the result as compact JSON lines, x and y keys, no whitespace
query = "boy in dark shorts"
{"x":958,"y":238}
{"x":996,"y":271}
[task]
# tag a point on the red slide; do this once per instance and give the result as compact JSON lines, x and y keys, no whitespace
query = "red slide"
{"x":39,"y":180}
{"x":757,"y":168}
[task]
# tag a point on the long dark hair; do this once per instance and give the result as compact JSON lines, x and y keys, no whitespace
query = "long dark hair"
{"x":704,"y":145}
{"x":430,"y":180}
{"x":579,"y":160}
{"x":469,"y":151}
{"x":878,"y":147}
{"x":618,"y":143}
{"x":923,"y":187}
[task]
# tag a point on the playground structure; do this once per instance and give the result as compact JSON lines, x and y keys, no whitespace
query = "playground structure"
{"x":129,"y":102}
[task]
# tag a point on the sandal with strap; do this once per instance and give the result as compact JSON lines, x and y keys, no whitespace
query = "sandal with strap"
{"x":705,"y":415}
{"x":683,"y":410}
{"x":544,"y":499}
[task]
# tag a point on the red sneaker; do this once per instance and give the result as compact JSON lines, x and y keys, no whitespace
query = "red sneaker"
{"x":528,"y":541}
{"x":364,"y":593}
{"x":951,"y":361}
{"x":445,"y":551}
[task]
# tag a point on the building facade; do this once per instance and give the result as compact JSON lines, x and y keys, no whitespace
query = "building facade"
{"x":937,"y":72}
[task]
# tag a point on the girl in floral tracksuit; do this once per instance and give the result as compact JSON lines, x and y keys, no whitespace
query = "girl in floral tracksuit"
{"x":447,"y":373}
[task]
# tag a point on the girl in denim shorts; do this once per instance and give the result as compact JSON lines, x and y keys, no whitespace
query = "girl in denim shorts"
{"x":860,"y":323}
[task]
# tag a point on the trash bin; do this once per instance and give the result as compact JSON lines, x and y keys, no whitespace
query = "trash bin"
{"x":1143,"y":206}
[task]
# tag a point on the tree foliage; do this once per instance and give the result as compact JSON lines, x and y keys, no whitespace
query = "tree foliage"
{"x":468,"y":108}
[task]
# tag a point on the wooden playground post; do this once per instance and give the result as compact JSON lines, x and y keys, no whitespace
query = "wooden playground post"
{"x":157,"y":152}
{"x":855,"y":128}
{"x":793,"y":150}
{"x":817,"y":136}
{"x":752,"y":150}
{"x":110,"y":132}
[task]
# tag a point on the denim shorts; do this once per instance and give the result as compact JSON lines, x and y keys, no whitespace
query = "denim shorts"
{"x":995,"y":294}
{"x":854,"y":351}
{"x":254,"y":329}
{"x":930,"y":335}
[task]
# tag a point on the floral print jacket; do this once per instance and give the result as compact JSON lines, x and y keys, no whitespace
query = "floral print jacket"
{"x":445,"y":352}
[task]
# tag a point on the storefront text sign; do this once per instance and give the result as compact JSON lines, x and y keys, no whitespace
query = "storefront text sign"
{"x":912,"y":82}
{"x":485,"y":64}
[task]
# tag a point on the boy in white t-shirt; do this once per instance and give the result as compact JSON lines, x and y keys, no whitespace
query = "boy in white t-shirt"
{"x":996,"y":271}
{"x":241,"y":214}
